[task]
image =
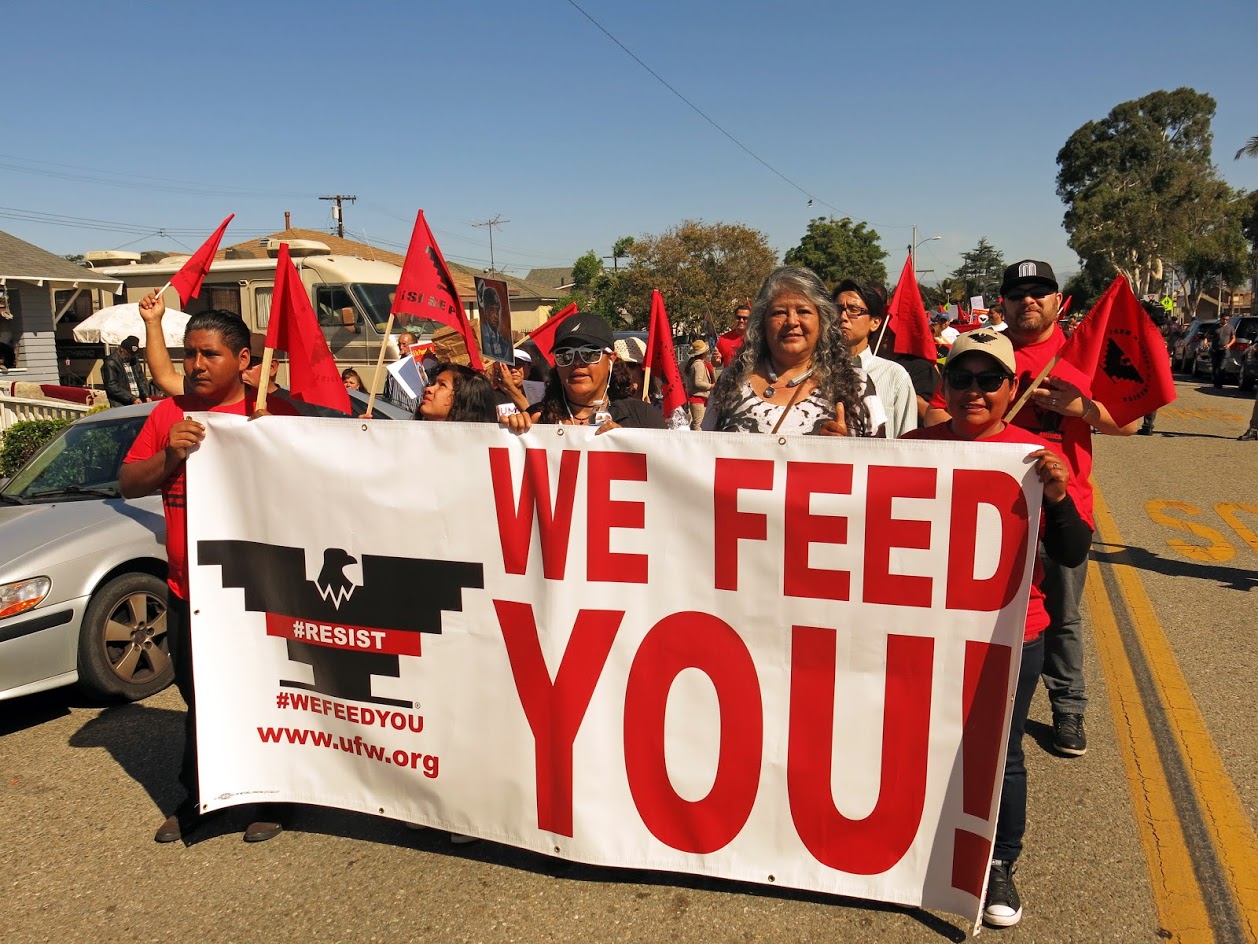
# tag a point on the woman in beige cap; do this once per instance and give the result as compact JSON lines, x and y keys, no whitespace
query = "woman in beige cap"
{"x":698,"y":378}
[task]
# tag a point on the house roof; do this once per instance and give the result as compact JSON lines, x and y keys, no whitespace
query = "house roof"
{"x":554,"y":278}
{"x":21,"y":261}
{"x":463,"y":275}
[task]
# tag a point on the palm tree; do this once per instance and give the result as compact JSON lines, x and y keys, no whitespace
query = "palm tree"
{"x":1249,"y":150}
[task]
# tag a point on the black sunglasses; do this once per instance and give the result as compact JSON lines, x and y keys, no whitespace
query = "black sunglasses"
{"x":1035,"y":291}
{"x":989,"y":381}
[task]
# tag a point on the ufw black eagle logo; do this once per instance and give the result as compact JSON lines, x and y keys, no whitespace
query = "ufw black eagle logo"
{"x":397,"y":593}
{"x":1118,"y":365}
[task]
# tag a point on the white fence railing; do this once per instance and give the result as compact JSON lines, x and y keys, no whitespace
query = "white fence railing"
{"x":16,"y":409}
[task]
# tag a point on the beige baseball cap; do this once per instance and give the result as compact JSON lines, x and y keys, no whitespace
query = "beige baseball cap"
{"x":984,"y":341}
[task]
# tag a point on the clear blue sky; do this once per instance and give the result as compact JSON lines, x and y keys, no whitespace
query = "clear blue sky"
{"x":947,"y":115}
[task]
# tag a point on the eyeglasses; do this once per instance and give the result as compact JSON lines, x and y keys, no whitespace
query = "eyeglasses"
{"x":1038,"y":291}
{"x":588,"y":355}
{"x":740,"y":317}
{"x":989,"y":381}
{"x":852,"y":311}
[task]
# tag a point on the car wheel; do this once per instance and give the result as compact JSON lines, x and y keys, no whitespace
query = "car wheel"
{"x":123,"y":647}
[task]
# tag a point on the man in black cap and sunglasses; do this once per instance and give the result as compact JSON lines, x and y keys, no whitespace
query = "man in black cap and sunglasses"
{"x":1062,"y":412}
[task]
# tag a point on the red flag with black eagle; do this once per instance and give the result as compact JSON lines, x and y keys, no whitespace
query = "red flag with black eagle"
{"x":426,"y":288}
{"x":661,"y":361}
{"x":187,"y":281}
{"x":543,"y":336}
{"x":1121,"y":349}
{"x":906,"y":316}
{"x":312,"y":373}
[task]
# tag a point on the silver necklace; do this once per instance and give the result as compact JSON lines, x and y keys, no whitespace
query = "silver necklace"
{"x":769,"y":391}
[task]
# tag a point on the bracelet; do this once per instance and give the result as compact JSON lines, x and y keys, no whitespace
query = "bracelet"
{"x":1090,"y":408}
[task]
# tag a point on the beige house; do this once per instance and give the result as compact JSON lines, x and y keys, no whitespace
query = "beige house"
{"x":530,"y":304}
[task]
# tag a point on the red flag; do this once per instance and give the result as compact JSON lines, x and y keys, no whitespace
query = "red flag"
{"x":661,"y":360}
{"x":312,"y":373}
{"x":906,"y":316}
{"x":543,"y":336}
{"x":426,"y":289}
{"x":1122,"y":350}
{"x":187,"y":281}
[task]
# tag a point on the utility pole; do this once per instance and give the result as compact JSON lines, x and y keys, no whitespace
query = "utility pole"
{"x":336,"y":211}
{"x":496,"y":221}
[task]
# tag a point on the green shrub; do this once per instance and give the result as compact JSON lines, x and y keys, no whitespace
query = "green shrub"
{"x":22,"y":440}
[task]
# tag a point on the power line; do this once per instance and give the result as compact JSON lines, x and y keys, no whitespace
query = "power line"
{"x":702,"y":114}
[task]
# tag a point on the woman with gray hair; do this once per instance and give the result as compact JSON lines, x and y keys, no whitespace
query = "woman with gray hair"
{"x":794,"y":372}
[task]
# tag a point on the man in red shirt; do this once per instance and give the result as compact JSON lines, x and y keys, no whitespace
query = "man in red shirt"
{"x":1062,"y":412}
{"x":727,"y":345}
{"x":216,"y":352}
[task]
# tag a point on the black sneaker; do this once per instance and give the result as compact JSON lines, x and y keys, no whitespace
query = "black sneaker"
{"x":1003,"y":907}
{"x":1248,"y":436}
{"x":1068,"y":736}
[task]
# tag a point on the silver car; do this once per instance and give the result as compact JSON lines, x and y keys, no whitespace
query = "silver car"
{"x":83,"y":571}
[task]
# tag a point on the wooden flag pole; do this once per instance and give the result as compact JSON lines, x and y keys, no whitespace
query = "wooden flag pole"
{"x":882,"y":331}
{"x":1034,"y":384}
{"x":375,"y":380}
{"x":646,"y":385}
{"x":264,"y":378}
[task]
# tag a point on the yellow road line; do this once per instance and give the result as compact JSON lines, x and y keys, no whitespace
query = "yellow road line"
{"x":1227,"y":826}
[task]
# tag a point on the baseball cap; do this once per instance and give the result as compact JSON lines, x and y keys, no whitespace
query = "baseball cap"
{"x":523,"y":355}
{"x":987,"y":341}
{"x":130,"y":343}
{"x":1028,"y":271}
{"x":582,"y":329}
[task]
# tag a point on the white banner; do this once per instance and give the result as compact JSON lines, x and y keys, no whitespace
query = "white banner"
{"x":784,"y":660}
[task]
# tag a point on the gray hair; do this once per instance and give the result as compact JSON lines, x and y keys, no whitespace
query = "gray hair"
{"x":833,"y":373}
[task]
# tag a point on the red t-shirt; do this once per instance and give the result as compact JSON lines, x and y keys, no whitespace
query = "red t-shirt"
{"x":154,"y":437}
{"x":1036,"y":614}
{"x":1069,"y":437}
{"x":727,"y":346}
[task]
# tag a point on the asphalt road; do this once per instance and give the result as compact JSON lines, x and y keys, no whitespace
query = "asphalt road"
{"x":83,"y":787}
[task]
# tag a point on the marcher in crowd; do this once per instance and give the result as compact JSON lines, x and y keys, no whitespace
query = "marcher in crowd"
{"x":458,"y":394}
{"x":350,"y":378}
{"x":588,"y":386}
{"x":727,"y":345}
{"x":1251,"y":434}
{"x":862,"y":308}
{"x":216,"y":354}
{"x":394,"y":392}
{"x":794,"y":372}
{"x":1224,"y":339}
{"x":123,"y":373}
{"x":514,"y":388}
{"x":980,"y":380}
{"x":631,"y":352}
{"x":1062,"y":412}
{"x":699,"y":378}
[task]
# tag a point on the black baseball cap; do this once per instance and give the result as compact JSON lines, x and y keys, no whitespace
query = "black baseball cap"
{"x":581,"y":329}
{"x":1028,"y":272}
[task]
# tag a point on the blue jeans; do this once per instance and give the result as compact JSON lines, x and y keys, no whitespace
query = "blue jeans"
{"x":1063,"y":640}
{"x":1011,"y":821}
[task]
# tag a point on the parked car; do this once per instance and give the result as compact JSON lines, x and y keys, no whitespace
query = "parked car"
{"x":1184,"y":351}
{"x":1249,"y":366}
{"x":82,"y":570}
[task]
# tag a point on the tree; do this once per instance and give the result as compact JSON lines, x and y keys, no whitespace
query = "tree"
{"x":980,"y":273}
{"x":1139,"y":185}
{"x":1249,"y":150}
{"x":839,"y":249}
{"x":702,"y":270}
{"x":1217,"y":257}
{"x":1086,"y":285}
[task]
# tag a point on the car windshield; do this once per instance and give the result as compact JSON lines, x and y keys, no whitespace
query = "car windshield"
{"x":82,"y":461}
{"x":377,"y":299}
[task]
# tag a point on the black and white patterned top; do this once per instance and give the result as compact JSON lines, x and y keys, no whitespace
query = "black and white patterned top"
{"x":753,"y":414}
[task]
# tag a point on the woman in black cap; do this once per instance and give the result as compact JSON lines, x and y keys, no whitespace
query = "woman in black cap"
{"x":588,"y":386}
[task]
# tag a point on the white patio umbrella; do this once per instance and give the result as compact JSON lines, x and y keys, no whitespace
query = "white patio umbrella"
{"x":115,"y":324}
